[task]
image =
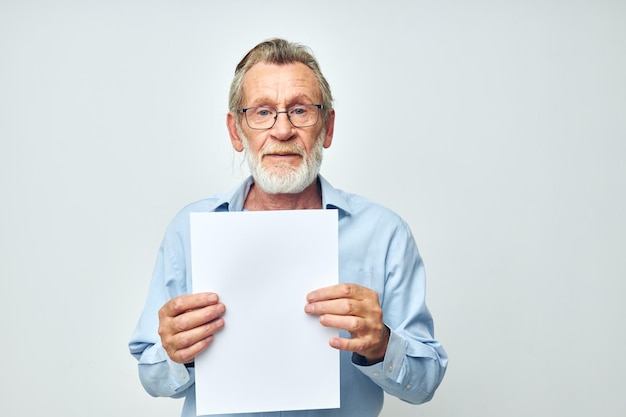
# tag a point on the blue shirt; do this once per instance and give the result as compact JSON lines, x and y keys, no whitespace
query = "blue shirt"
{"x":376,"y":250}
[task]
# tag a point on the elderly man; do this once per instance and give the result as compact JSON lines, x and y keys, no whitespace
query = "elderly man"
{"x":281,"y":116}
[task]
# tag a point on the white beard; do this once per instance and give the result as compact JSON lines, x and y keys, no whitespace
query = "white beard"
{"x":284,"y":178}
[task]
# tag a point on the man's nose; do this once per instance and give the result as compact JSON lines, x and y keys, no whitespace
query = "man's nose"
{"x":282,"y":129}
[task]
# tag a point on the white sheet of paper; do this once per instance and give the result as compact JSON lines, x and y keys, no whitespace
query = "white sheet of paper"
{"x":270,"y":356}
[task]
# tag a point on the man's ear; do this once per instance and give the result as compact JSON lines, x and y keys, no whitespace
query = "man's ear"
{"x":235,"y":139}
{"x":330,"y":129}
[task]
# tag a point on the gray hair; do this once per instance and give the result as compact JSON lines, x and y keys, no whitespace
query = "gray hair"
{"x":280,"y":52}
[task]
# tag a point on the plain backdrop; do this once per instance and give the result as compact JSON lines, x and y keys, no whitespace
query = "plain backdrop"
{"x":497,"y":129}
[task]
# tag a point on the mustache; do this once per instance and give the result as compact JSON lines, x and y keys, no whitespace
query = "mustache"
{"x":284,"y":149}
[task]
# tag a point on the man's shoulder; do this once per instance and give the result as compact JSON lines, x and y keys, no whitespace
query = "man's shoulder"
{"x":350,"y":202}
{"x":359,"y":206}
{"x":208,"y":204}
{"x":227,"y":200}
{"x":180,"y":221}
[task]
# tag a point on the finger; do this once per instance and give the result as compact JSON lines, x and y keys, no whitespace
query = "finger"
{"x":341,"y":306}
{"x":366,"y":333}
{"x":186,"y":339}
{"x":363,"y":347}
{"x":352,"y":324}
{"x":343,"y":344}
{"x":333,"y":292}
{"x":368,"y":308}
{"x":188,"y":354}
{"x":183,"y":346}
{"x":195,"y":318}
{"x":358,"y":345}
{"x":186,"y":302}
{"x":372,"y":348}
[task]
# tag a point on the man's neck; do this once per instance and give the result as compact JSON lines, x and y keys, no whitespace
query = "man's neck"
{"x":309,"y":198}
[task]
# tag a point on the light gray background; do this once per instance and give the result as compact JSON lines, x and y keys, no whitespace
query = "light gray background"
{"x":497,"y":129}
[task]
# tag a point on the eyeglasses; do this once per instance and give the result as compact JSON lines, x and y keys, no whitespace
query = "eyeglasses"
{"x":264,"y":117}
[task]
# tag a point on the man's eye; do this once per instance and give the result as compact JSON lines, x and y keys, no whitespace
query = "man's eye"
{"x":298,"y":111}
{"x":264,"y":112}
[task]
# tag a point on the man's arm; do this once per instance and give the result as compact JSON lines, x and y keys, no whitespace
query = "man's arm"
{"x":392,"y":341}
{"x":184,"y":324}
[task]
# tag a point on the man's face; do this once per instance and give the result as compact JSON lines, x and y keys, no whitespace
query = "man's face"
{"x":283,"y":159}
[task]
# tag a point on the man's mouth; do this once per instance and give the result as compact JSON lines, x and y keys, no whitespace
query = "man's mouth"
{"x":282,"y":153}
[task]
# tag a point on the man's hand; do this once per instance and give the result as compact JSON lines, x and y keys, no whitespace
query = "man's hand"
{"x":187,"y":324}
{"x":355,"y":309}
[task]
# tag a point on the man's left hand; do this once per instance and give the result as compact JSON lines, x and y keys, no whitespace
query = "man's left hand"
{"x":355,"y":309}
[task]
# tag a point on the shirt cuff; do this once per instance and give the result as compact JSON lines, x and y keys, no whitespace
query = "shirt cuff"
{"x":179,"y":375}
{"x":390,"y":366}
{"x":165,"y":378}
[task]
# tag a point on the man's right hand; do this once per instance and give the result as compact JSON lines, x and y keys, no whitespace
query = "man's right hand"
{"x":187,"y":324}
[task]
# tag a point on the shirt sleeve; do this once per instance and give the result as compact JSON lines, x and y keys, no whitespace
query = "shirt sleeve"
{"x":162,"y":377}
{"x":159,"y":375}
{"x":414,"y":363}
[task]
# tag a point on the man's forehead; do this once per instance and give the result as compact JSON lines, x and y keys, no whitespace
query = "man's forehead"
{"x":267,"y":80}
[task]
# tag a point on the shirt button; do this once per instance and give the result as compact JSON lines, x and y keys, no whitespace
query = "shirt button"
{"x":390,"y":368}
{"x":407,"y":386}
{"x":376,"y":374}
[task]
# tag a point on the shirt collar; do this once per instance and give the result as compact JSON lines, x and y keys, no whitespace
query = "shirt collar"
{"x":332,"y":198}
{"x":233,"y":200}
